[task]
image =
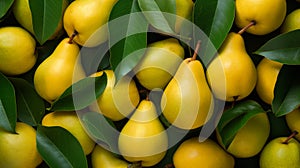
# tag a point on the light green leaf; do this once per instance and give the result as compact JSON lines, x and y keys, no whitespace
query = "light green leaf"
{"x":101,"y":128}
{"x":80,"y":94}
{"x":155,"y":15}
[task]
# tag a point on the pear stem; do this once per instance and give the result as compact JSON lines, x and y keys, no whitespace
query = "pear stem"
{"x":72,"y":37}
{"x":234,"y":101}
{"x":286,"y":141}
{"x":196,"y":50}
{"x":170,"y":165}
{"x":137,"y":164}
{"x":252,"y":23}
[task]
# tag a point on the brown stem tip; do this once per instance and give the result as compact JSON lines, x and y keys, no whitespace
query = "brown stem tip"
{"x":196,"y":50}
{"x":137,"y":164}
{"x":252,"y":23}
{"x":286,"y":141}
{"x":170,"y":165}
{"x":72,"y":37}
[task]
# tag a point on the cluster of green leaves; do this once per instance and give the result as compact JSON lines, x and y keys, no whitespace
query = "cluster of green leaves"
{"x":19,"y":101}
{"x":285,"y":48}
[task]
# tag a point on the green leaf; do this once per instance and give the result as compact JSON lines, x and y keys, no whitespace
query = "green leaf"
{"x":127,"y":40}
{"x":46,"y":15}
{"x":8,"y":107}
{"x":101,"y":128}
{"x":153,"y":11}
{"x":30,"y":106}
{"x":235,"y":118}
{"x":80,"y":94}
{"x":4,"y":6}
{"x":215,"y":19}
{"x":284,"y":48}
{"x":59,"y":148}
{"x":286,"y":91}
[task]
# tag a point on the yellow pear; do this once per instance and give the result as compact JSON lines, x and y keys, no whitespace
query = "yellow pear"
{"x":22,"y":13}
{"x":267,"y":72}
{"x":251,"y":138}
{"x":291,"y":22}
{"x":267,"y":15}
{"x":118,"y":100}
{"x":102,"y":158}
{"x":232,"y":74}
{"x":17,"y":51}
{"x":187,"y":102}
{"x":281,"y":152}
{"x":293,"y":121}
{"x":59,"y":71}
{"x":70,"y":121}
{"x":143,"y":138}
{"x":87,"y":19}
{"x":159,"y":63}
{"x":207,"y":154}
{"x":20,"y":149}
{"x":184,"y":9}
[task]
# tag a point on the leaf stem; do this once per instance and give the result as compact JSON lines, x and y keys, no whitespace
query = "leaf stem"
{"x":252,"y":23}
{"x":286,"y":141}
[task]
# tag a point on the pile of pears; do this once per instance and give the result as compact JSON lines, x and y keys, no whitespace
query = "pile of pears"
{"x":188,"y":91}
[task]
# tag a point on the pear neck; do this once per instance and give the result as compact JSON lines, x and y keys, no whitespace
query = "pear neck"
{"x":146,"y":112}
{"x":233,"y":40}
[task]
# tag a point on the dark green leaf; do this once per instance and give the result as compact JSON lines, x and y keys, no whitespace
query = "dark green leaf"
{"x":284,"y":48}
{"x":215,"y":19}
{"x":80,"y":94}
{"x":286,"y":91}
{"x":46,"y":15}
{"x":59,"y":148}
{"x":153,"y":11}
{"x":30,"y":106}
{"x":127,"y":40}
{"x":235,"y":118}
{"x":8,"y":107}
{"x":4,"y":6}
{"x":101,"y":129}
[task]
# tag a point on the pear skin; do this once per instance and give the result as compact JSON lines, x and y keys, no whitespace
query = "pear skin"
{"x":143,"y":138}
{"x":267,"y":15}
{"x":118,"y":100}
{"x":88,"y":19}
{"x":293,"y":121}
{"x":267,"y":72}
{"x":251,"y":138}
{"x":22,"y":13}
{"x":59,"y":71}
{"x":159,"y":63}
{"x":207,"y":154}
{"x":291,"y":22}
{"x":184,"y":9}
{"x":187,"y":101}
{"x":232,"y":74}
{"x":102,"y":158}
{"x":279,"y":154}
